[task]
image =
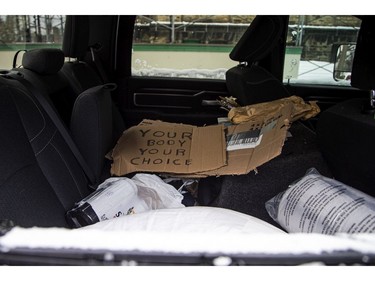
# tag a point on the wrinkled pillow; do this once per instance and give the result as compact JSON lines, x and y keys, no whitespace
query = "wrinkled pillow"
{"x":322,"y":205}
{"x":189,"y":220}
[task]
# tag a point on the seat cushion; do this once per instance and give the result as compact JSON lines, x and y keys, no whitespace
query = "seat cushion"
{"x":39,"y":177}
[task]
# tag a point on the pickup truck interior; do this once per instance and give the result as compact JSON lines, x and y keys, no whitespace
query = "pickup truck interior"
{"x":63,"y":109}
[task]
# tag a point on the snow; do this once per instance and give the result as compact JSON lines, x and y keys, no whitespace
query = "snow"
{"x":310,"y":72}
{"x":317,"y":72}
{"x":179,"y":242}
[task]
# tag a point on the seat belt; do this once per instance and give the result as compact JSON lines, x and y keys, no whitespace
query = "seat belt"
{"x":93,"y":182}
{"x":16,"y":56}
{"x":98,"y":64}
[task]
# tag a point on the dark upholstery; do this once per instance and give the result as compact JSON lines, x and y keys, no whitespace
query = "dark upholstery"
{"x":48,"y":79}
{"x":346,"y":132}
{"x":249,"y":82}
{"x":43,"y":61}
{"x":79,"y":74}
{"x":77,"y":47}
{"x":76,"y":36}
{"x":81,"y":77}
{"x":253,"y":84}
{"x":91,"y":128}
{"x":363,"y":70}
{"x":258,"y":40}
{"x":346,"y":138}
{"x":39,"y":177}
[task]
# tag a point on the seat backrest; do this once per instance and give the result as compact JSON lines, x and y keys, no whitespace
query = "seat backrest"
{"x":92,"y":128}
{"x":346,"y":131}
{"x":79,"y":74}
{"x":258,"y":40}
{"x":92,"y":124}
{"x":40,"y":179}
{"x":41,"y":67}
{"x":249,"y":82}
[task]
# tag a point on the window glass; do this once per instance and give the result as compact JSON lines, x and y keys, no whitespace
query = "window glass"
{"x":186,"y":46}
{"x":312,"y":46}
{"x":28,"y":32}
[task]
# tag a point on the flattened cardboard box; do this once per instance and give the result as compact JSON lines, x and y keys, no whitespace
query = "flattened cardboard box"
{"x":162,"y":147}
{"x":189,"y":151}
{"x":252,"y":144}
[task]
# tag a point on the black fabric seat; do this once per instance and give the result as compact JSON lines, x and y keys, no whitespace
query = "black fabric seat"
{"x":91,"y":120}
{"x":96,"y":122}
{"x":40,"y":179}
{"x":346,"y":131}
{"x":249,"y":82}
{"x":41,"y":67}
{"x":92,"y":128}
{"x":79,"y":74}
{"x":88,"y":114}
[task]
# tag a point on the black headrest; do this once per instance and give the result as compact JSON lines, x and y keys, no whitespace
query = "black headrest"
{"x":43,"y":61}
{"x":363,"y":70}
{"x":76,"y":36}
{"x":258,"y":40}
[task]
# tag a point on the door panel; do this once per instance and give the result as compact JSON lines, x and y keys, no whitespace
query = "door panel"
{"x":194,"y":101}
{"x":326,"y":96}
{"x":190,"y":101}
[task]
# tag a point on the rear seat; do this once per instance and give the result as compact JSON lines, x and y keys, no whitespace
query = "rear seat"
{"x":44,"y":179}
{"x":92,"y":128}
{"x":41,"y":67}
{"x":80,"y":75}
{"x":40,"y":179}
{"x":89,"y":116}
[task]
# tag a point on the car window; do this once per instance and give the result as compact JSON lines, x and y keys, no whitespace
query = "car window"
{"x":312,"y":45}
{"x":186,"y":46}
{"x":26,"y":32}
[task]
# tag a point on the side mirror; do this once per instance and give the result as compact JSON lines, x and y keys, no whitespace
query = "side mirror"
{"x":343,"y":61}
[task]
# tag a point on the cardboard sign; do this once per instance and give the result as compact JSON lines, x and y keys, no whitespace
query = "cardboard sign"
{"x":191,"y":152}
{"x":162,"y":147}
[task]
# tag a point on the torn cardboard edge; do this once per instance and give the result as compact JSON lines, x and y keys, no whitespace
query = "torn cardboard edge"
{"x":192,"y":152}
{"x":272,"y":135}
{"x":300,"y":110}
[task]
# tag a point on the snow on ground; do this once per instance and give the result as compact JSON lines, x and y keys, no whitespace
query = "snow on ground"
{"x":317,"y":72}
{"x":310,"y":72}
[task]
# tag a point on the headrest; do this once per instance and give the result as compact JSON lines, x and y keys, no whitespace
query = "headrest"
{"x":43,"y":61}
{"x":76,"y":36}
{"x":258,"y":40}
{"x":363,"y":69}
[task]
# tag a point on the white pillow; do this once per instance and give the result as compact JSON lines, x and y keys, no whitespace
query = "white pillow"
{"x":189,"y":220}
